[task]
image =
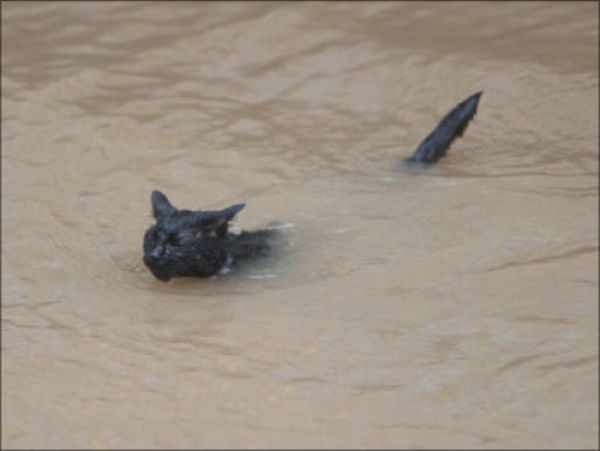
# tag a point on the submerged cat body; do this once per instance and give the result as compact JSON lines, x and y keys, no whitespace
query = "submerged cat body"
{"x":185,"y":243}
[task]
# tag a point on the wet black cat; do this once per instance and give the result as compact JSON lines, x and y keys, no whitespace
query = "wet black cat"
{"x":185,"y":243}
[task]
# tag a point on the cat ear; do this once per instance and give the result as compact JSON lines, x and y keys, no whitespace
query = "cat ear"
{"x":217,"y":220}
{"x":160,"y":205}
{"x":230,"y":212}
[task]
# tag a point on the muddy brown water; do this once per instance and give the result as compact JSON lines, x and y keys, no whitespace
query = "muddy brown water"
{"x":456,"y":307}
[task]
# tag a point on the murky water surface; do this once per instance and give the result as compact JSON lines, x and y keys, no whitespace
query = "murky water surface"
{"x":455,"y":307}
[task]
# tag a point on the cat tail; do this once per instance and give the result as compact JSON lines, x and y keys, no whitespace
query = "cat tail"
{"x":450,"y":127}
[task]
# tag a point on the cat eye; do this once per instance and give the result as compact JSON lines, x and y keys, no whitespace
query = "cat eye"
{"x":172,"y":239}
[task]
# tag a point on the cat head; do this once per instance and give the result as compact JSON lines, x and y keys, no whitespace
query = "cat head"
{"x":185,"y":242}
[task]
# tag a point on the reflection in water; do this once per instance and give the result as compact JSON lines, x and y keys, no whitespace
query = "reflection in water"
{"x":453,"y":307}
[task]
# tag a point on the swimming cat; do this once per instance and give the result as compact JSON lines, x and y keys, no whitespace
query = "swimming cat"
{"x":185,"y":243}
